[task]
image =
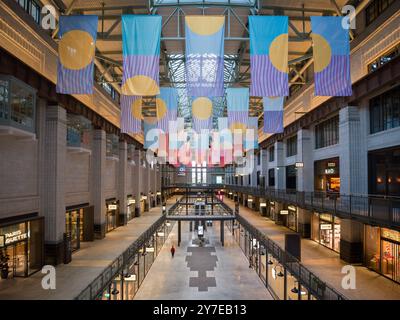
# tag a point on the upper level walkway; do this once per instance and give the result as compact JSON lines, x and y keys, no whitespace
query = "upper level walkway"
{"x":87,"y":264}
{"x":324,"y":262}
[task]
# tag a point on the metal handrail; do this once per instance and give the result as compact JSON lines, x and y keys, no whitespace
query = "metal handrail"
{"x":112,"y":270}
{"x":384,"y":211}
{"x":306,"y":278}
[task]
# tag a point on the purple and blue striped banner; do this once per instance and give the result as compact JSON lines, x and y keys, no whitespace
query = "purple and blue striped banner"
{"x":251,"y":139}
{"x":331,"y":50}
{"x":204,"y":55}
{"x":202,"y":112}
{"x":273,"y":115}
{"x":167,"y":107}
{"x":269,"y":42}
{"x":76,"y":51}
{"x":238,"y":107}
{"x":141,"y":54}
{"x":131,"y":114}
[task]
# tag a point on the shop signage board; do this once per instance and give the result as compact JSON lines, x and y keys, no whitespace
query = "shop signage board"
{"x":293,"y":208}
{"x":112,"y":207}
{"x":299,"y":164}
{"x":15,"y":236}
{"x":330,"y":171}
{"x":326,"y":226}
{"x":2,"y":241}
{"x":284,"y":212}
{"x":391,"y":234}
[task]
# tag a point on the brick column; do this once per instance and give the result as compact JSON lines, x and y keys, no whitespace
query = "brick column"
{"x":122,"y":182}
{"x":53,"y":200}
{"x":98,"y":182}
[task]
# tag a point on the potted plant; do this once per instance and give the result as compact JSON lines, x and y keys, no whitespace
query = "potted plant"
{"x":4,"y":258}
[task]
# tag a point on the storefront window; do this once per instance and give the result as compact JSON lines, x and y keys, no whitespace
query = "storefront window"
{"x":326,"y":230}
{"x":327,"y":175}
{"x":23,"y":244}
{"x":112,"y":215}
{"x":390,"y":254}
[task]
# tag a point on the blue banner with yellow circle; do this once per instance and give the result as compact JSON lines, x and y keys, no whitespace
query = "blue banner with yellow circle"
{"x":76,"y":51}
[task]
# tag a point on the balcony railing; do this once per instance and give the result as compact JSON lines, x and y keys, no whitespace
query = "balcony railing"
{"x":373,"y":209}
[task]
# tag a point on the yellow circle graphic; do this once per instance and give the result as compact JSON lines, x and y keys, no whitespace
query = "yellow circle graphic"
{"x":278,"y":50}
{"x":161,"y":108}
{"x":150,"y":120}
{"x":76,"y":49}
{"x":322,"y":52}
{"x":140,"y":86}
{"x":205,"y":25}
{"x":202,"y":108}
{"x":136,"y":109}
{"x":238,"y":126}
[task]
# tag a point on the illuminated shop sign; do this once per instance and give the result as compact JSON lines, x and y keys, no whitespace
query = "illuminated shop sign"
{"x":390,"y":234}
{"x":284,"y":212}
{"x":293,"y":208}
{"x":299,"y":164}
{"x":12,"y":237}
{"x":330,"y":171}
{"x":112,"y":207}
{"x":331,"y":164}
{"x":131,"y":201}
{"x":326,"y":226}
{"x":263,"y":204}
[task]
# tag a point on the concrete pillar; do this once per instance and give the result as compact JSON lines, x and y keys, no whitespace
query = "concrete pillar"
{"x":305,"y":175}
{"x":278,"y":218}
{"x":264,"y":166}
{"x":304,"y":222}
{"x":137,"y":179}
{"x":280,"y":168}
{"x":53,"y":200}
{"x":351,"y":241}
{"x":353,"y":152}
{"x":122,"y":182}
{"x":98,"y":182}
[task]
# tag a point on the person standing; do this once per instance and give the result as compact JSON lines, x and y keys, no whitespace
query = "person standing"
{"x":172,"y":251}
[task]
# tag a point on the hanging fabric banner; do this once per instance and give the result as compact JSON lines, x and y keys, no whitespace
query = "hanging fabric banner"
{"x":226,"y":141}
{"x":131,"y":114}
{"x":167,"y":107}
{"x":76,"y":51}
{"x":176,"y":139}
{"x":251,"y":140}
{"x":205,"y":55}
{"x":141,"y":54}
{"x":151,"y":133}
{"x":331,"y":50}
{"x":273,"y":115}
{"x":238,"y":108}
{"x":269,"y":43}
{"x":202,"y":110}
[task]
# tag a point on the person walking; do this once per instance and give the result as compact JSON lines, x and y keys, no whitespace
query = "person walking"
{"x":172,"y":251}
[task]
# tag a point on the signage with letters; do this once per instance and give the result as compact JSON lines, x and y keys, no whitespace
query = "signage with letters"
{"x":15,"y":236}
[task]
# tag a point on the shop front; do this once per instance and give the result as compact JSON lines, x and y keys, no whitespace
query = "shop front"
{"x":325,"y":229}
{"x":22,"y":246}
{"x":112,"y":214}
{"x":130,"y":208}
{"x":79,"y":222}
{"x":382,"y":251}
{"x":327,"y":175}
{"x":289,"y":217}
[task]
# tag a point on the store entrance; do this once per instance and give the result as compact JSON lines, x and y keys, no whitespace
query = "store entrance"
{"x":391,"y":260}
{"x":18,"y":264}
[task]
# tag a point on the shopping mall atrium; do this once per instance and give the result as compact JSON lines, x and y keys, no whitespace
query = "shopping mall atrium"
{"x":200,"y":150}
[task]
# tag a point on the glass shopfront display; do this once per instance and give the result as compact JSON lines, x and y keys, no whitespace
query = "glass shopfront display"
{"x":382,"y":251}
{"x":79,"y":225}
{"x":130,"y":208}
{"x":290,"y":219}
{"x":112,"y":214}
{"x":325,"y":229}
{"x":22,"y":243}
{"x":327,"y":175}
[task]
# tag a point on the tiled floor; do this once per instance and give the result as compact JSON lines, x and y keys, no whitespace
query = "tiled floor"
{"x":212,"y":272}
{"x":86,"y":265}
{"x":326,"y":263}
